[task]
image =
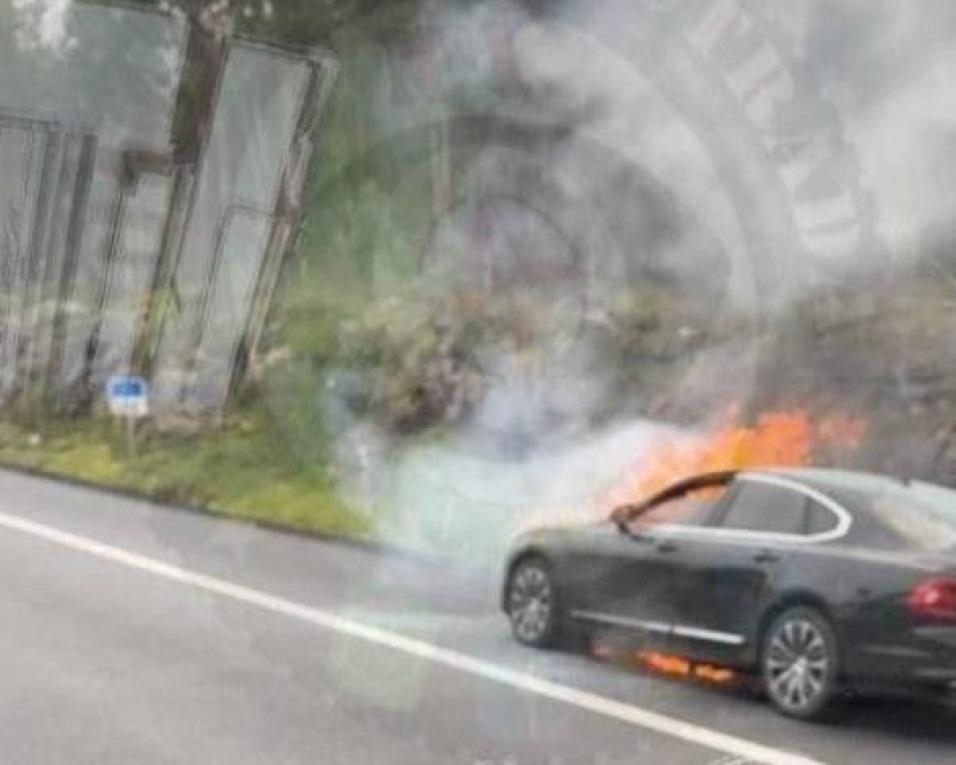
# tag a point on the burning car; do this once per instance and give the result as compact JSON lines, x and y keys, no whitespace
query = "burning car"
{"x":819,"y":582}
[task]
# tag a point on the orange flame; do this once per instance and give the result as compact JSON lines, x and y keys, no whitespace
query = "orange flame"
{"x":665,"y":663}
{"x":668,"y":664}
{"x":678,"y":666}
{"x":717,"y":675}
{"x":777,"y":439}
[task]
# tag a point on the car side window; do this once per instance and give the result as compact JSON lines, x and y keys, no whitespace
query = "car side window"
{"x":766,"y":508}
{"x":691,"y":509}
{"x":820,"y":520}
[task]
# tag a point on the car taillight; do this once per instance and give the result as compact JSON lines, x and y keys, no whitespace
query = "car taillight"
{"x":934,"y":598}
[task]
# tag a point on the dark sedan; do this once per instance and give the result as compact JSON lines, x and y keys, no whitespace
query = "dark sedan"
{"x":821,"y":582}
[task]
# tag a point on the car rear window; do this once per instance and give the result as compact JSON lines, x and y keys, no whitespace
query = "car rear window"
{"x":922,"y":514}
{"x":820,"y":520}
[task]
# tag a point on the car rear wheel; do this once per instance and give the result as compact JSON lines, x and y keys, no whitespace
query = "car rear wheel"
{"x":532,"y":602}
{"x":800,"y":663}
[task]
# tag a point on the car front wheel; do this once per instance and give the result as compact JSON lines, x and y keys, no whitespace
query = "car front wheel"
{"x":800,"y":663}
{"x":533,"y":603}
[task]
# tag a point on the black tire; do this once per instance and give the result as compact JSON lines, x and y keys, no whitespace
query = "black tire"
{"x":532,"y":603}
{"x":799,"y":662}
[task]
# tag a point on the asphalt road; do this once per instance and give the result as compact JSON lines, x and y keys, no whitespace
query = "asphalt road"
{"x":131,"y":633}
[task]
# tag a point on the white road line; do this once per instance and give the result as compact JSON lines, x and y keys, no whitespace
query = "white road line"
{"x":591,"y":702}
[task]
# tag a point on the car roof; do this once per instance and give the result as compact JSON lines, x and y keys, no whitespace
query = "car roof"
{"x":869,"y":483}
{"x":843,"y":482}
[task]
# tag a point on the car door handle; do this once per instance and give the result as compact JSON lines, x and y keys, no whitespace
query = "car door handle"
{"x":666,"y":546}
{"x":766,"y":556}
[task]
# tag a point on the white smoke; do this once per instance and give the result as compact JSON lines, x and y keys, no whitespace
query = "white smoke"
{"x":888,"y":66}
{"x":43,"y":24}
{"x":629,"y":185}
{"x":713,"y":210}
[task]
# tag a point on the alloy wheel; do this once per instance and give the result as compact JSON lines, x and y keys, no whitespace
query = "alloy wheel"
{"x":799,"y":665}
{"x":531,"y":603}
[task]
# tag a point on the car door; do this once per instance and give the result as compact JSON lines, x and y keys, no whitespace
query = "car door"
{"x":631,"y":573}
{"x":724,"y":572}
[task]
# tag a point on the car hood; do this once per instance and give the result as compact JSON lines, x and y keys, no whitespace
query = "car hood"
{"x":560,"y":537}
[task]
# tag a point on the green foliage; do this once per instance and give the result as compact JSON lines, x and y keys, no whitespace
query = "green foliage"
{"x":649,"y":323}
{"x":245,"y":469}
{"x":416,"y":362}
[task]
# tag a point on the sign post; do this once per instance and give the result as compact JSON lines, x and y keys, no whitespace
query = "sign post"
{"x":128,"y":397}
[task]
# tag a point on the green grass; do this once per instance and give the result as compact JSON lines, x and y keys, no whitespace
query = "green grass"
{"x":244,"y":469}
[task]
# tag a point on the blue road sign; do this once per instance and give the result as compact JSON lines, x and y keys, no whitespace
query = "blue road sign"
{"x":128,"y":395}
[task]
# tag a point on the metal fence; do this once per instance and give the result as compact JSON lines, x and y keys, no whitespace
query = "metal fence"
{"x":116,"y":257}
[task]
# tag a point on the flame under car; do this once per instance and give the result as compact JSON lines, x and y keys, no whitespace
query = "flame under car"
{"x":820,"y":582}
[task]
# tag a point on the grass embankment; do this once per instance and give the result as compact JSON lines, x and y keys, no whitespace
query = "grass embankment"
{"x":244,"y":469}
